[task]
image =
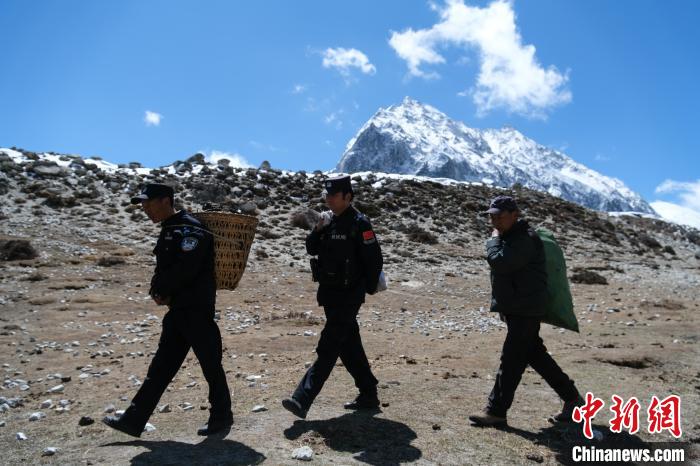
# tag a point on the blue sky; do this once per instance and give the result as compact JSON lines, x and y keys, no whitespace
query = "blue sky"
{"x":612,"y":84}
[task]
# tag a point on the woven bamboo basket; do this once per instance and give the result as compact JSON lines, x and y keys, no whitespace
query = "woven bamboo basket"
{"x":233,"y":236}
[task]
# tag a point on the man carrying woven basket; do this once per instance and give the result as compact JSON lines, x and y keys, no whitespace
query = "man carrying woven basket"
{"x":348,"y":266}
{"x":184,"y":281}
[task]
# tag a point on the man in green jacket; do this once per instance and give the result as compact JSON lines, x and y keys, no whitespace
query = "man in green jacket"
{"x":518,"y":293}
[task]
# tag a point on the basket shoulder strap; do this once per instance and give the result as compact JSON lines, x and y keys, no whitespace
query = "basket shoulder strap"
{"x":195,"y":227}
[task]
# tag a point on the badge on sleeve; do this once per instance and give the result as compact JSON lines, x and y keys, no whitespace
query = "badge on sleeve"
{"x":368,"y":237}
{"x":189,"y":243}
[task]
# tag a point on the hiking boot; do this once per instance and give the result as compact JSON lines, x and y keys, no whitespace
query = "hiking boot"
{"x":363,"y":401}
{"x":566,"y":412}
{"x":293,"y":406}
{"x":116,"y":423}
{"x":215,"y":426}
{"x":487,"y":420}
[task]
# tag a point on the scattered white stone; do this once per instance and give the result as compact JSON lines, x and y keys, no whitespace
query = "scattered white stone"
{"x":149,"y":427}
{"x":36,"y":416}
{"x":110,"y":408}
{"x":20,"y":436}
{"x":47,"y":404}
{"x":164,"y":408}
{"x":2,"y":423}
{"x":259,"y":408}
{"x":186,"y":406}
{"x":191,"y":384}
{"x":308,"y":333}
{"x":304,"y":453}
{"x":307,"y":364}
{"x":56,"y":389}
{"x":253,"y":378}
{"x":135,"y":381}
{"x":49,"y":451}
{"x":84,"y":375}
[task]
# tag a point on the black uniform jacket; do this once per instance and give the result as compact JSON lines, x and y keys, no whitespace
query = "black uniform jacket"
{"x":185,"y":264}
{"x":518,"y":274}
{"x":349,"y":259}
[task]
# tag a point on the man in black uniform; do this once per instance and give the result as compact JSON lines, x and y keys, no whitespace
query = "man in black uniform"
{"x":518,"y":293}
{"x":348,"y":266}
{"x":183,"y":281}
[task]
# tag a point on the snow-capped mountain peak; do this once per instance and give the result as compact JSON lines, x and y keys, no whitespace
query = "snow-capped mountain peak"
{"x":417,"y":139}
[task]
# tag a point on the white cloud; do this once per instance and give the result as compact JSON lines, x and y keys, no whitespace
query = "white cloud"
{"x":689,"y":192}
{"x":687,"y":210}
{"x":264,"y":147}
{"x":152,"y":118}
{"x":334,"y":118}
{"x":236,"y":160}
{"x":510,"y":76}
{"x":346,"y":59}
{"x":298,"y":89}
{"x":676,"y":213}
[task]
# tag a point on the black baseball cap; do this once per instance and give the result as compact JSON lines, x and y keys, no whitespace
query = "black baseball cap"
{"x":500,"y":204}
{"x":337,"y":184}
{"x":153,"y":191}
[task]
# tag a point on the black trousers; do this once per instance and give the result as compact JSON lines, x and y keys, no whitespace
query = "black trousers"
{"x":183,"y":329}
{"x":339,"y":338}
{"x":523,"y":347}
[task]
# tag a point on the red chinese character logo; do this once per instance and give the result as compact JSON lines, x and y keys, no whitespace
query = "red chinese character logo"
{"x":665,"y":415}
{"x":625,"y":416}
{"x":587,"y":412}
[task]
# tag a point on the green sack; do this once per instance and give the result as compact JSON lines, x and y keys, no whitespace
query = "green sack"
{"x":559,"y":310}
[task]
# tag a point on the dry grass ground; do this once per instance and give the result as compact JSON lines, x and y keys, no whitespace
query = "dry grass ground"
{"x":431,"y":379}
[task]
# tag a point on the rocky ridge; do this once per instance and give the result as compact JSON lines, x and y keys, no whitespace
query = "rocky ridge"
{"x":439,"y":218}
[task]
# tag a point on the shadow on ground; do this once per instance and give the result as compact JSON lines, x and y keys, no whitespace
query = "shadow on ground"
{"x":370,"y":439}
{"x":213,"y":450}
{"x":562,"y":439}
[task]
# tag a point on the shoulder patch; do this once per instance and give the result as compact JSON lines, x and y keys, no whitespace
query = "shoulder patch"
{"x":189,"y":243}
{"x":362,"y":218}
{"x":367,"y":235}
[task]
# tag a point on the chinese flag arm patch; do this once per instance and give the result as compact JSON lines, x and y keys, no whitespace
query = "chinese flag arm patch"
{"x":367,"y":235}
